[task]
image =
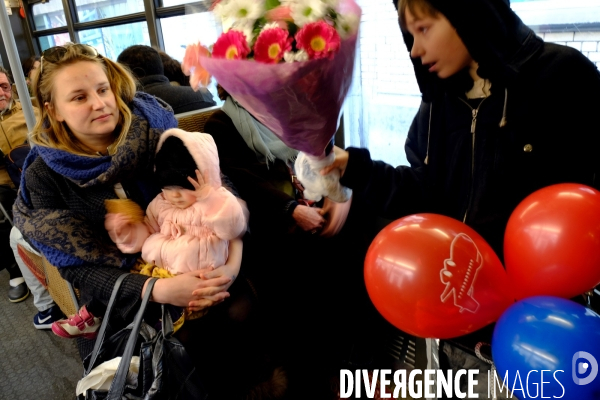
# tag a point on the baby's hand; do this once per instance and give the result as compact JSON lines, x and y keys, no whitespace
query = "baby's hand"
{"x":115,"y":222}
{"x":200,"y":186}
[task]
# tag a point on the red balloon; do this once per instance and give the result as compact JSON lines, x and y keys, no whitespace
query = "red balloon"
{"x":433,"y":276}
{"x":552,"y":242}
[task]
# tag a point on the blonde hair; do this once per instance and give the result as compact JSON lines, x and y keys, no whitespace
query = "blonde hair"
{"x":50,"y":132}
{"x":416,"y":7}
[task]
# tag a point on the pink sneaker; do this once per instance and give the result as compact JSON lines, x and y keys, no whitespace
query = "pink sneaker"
{"x":82,"y":324}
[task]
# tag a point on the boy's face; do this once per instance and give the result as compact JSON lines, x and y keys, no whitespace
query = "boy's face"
{"x":437,"y":44}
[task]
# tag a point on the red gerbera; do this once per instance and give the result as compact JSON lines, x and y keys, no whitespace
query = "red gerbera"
{"x":318,"y":39}
{"x":271,"y":44}
{"x":231,"y":45}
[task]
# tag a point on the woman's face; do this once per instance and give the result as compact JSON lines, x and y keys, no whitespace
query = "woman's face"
{"x":84,"y":100}
{"x":437,"y":44}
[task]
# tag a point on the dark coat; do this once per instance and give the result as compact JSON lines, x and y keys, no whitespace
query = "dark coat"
{"x":540,"y":126}
{"x":267,"y":190}
{"x":180,"y":98}
{"x":551,"y":135}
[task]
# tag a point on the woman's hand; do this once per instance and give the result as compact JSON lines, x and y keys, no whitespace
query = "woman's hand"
{"x":230,"y":270}
{"x":340,"y":161}
{"x":189,"y":289}
{"x":201,"y":187}
{"x":309,"y":218}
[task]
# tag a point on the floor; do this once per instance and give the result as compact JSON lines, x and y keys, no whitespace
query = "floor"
{"x":34,"y":364}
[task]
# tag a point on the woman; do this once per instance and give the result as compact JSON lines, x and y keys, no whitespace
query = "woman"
{"x":307,"y":270}
{"x":95,"y":141}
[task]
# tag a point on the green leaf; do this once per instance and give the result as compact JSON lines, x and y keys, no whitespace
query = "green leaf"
{"x":270,"y":4}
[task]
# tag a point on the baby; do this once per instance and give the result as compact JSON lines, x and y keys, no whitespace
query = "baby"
{"x":187,"y":227}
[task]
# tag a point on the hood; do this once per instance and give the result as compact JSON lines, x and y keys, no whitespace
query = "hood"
{"x":493,"y":34}
{"x":203,"y":150}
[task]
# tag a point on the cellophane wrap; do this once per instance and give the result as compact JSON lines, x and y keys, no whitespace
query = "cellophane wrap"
{"x":299,"y":101}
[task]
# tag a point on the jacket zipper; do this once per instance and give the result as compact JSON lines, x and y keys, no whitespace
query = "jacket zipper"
{"x":474,"y":112}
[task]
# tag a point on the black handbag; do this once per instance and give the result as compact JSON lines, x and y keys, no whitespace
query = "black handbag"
{"x":165,"y":371}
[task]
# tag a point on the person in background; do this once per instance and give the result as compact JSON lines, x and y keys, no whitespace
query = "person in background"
{"x":13,"y":132}
{"x":503,"y":114}
{"x":173,"y":70}
{"x":146,"y":65}
{"x":30,"y":65}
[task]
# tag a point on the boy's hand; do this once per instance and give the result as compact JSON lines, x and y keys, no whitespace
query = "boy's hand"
{"x":340,"y":161}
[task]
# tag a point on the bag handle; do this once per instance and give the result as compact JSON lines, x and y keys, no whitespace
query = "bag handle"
{"x":102,"y":331}
{"x":167,"y":322}
{"x":117,"y":387}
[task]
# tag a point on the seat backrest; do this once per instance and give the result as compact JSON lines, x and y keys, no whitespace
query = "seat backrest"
{"x":193,"y":121}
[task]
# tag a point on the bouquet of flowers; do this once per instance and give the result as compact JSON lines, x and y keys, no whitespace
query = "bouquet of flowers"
{"x":289,"y":63}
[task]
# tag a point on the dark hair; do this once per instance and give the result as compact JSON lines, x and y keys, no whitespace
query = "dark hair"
{"x":416,"y":7}
{"x":5,"y":72}
{"x":174,"y":164}
{"x":222,"y":93}
{"x":172,"y":69}
{"x":28,"y":65}
{"x":141,"y":60}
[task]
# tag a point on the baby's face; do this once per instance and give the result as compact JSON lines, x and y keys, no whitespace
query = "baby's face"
{"x":179,"y":197}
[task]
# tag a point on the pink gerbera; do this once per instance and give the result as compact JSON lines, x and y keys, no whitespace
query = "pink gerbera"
{"x":318,"y":39}
{"x":271,"y":44}
{"x":279,"y":13}
{"x":231,"y":45}
{"x":191,"y":65}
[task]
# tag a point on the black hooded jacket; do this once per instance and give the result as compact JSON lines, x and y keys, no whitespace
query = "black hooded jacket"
{"x":540,"y":126}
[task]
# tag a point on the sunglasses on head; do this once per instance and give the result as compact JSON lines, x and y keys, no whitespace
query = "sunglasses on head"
{"x":55,"y":54}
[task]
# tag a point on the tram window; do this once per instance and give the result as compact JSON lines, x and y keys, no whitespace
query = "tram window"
{"x":180,"y":31}
{"x":98,"y":9}
{"x":53,"y":40}
{"x":169,"y":3}
{"x":48,"y":15}
{"x":112,"y":40}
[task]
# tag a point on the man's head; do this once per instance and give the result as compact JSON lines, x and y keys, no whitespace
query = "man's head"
{"x":5,"y":89}
{"x":435,"y":40}
{"x":142,"y":61}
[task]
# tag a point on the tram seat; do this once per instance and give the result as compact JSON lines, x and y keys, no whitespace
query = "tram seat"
{"x":193,"y":121}
{"x":63,"y":293}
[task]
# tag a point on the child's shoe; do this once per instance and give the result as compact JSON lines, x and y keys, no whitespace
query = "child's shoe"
{"x":82,"y":324}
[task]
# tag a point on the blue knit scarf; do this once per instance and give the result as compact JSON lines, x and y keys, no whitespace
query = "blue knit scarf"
{"x":70,"y":242}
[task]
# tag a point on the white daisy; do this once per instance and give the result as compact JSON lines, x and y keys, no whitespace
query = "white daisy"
{"x":247,"y":9}
{"x":300,"y":55}
{"x":306,"y":11}
{"x":347,"y":25}
{"x":270,"y":25}
{"x":246,"y":28}
{"x":331,"y":3}
{"x":241,"y":10}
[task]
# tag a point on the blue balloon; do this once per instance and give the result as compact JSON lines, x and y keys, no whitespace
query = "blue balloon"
{"x":548,"y":345}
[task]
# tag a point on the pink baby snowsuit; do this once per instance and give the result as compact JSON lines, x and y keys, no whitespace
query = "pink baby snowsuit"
{"x":197,"y":237}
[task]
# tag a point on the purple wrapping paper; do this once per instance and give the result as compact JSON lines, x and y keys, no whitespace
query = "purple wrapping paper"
{"x":299,"y":101}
